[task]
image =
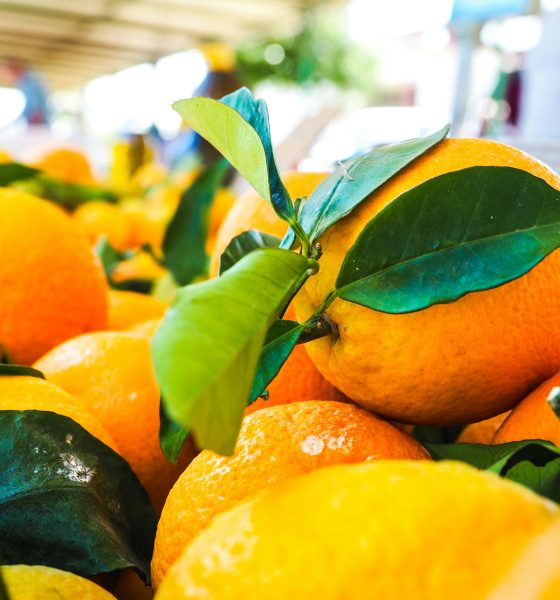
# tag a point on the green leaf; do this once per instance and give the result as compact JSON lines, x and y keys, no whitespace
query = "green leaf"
{"x":461,"y":232}
{"x":11,"y":172}
{"x":206,"y":350}
{"x":109,"y":256}
{"x":237,"y":126}
{"x":532,"y":463}
{"x":244,"y":243}
{"x":554,"y":400}
{"x":67,"y":500}
{"x":71,"y":195}
{"x":172,"y":435}
{"x":11,"y":370}
{"x":278,"y":345}
{"x":185,"y":237}
{"x":353,"y":181}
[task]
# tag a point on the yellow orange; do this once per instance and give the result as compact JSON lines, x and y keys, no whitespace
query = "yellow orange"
{"x":379,"y":530}
{"x":274,"y":444}
{"x":451,"y":363}
{"x":101,"y":219}
{"x":67,"y":164}
{"x":52,"y":286}
{"x":483,"y":431}
{"x":130,"y":308}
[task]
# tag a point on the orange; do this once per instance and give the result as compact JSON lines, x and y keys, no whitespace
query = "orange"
{"x":25,"y":582}
{"x":5,"y":157}
{"x":32,"y":393}
{"x":536,"y":574}
{"x":52,"y":286}
{"x":140,"y":266}
{"x":451,"y":363}
{"x":483,"y":431}
{"x":532,"y":418}
{"x":67,"y":164}
{"x":250,"y":211}
{"x":130,"y":308}
{"x":111,"y":373}
{"x":100,"y":218}
{"x":392,"y":530}
{"x":148,"y":328}
{"x":274,"y":444}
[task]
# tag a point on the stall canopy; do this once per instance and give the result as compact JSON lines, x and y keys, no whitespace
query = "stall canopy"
{"x":72,"y":41}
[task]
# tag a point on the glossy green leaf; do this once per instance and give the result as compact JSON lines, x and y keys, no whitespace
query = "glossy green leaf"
{"x":67,"y":500}
{"x":18,"y":370}
{"x":237,"y":126}
{"x":461,"y":232}
{"x":185,"y":237}
{"x":172,"y":435}
{"x":532,"y":463}
{"x":244,"y":243}
{"x":206,"y":350}
{"x":10,"y":172}
{"x":278,"y":345}
{"x":554,"y":400}
{"x":353,"y":181}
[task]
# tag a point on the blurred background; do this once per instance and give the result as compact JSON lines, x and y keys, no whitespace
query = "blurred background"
{"x":339,"y":76}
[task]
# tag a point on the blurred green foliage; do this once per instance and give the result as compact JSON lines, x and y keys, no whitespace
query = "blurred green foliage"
{"x":320,"y":52}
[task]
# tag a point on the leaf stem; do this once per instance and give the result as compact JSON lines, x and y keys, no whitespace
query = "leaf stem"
{"x":317,"y":327}
{"x":306,"y":247}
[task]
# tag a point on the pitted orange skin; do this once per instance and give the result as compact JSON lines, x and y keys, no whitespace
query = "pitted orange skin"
{"x":450,"y":363}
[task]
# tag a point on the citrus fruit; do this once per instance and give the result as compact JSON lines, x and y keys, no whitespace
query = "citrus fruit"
{"x":450,"y":363}
{"x":532,"y":418}
{"x":274,"y":444}
{"x":483,"y":431}
{"x":141,"y":266}
{"x":147,"y":328}
{"x":67,"y":164}
{"x":111,"y":373}
{"x":52,"y":286}
{"x":536,"y":574}
{"x":129,"y":308}
{"x":5,"y":157}
{"x":250,"y":211}
{"x":25,"y":582}
{"x":33,"y":393}
{"x":384,"y":529}
{"x":99,"y":218}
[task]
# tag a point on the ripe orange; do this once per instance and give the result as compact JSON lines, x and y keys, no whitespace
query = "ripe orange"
{"x":483,"y":431}
{"x":112,"y":374}
{"x":130,"y":308}
{"x":68,"y":164}
{"x":250,"y":211}
{"x":274,"y":444}
{"x":32,"y":393}
{"x":25,"y":582}
{"x":148,"y":328}
{"x":141,"y":266}
{"x":451,"y":363}
{"x":100,"y":218}
{"x":532,"y":418}
{"x":52,"y":286}
{"x":391,"y":530}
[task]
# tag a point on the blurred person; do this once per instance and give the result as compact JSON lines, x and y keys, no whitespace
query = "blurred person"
{"x":540,"y":89}
{"x":36,"y":111}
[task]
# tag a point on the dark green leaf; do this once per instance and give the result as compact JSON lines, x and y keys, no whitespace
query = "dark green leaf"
{"x":532,"y":463}
{"x":71,"y":195}
{"x":554,"y":400}
{"x":206,"y":350}
{"x":185,"y":237}
{"x":279,"y":343}
{"x":436,"y":435}
{"x":67,"y":500}
{"x":237,"y":126}
{"x":7,"y":370}
{"x":353,"y":181}
{"x":10,"y":172}
{"x":461,"y":232}
{"x":110,"y":257}
{"x":244,"y":243}
{"x":172,"y":435}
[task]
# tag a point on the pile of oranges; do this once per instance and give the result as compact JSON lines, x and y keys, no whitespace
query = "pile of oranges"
{"x":327,"y":495}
